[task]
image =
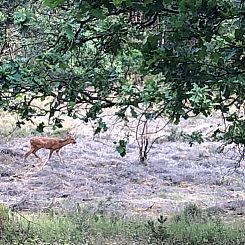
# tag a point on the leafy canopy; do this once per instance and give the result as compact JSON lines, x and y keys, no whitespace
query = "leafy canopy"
{"x":178,"y":59}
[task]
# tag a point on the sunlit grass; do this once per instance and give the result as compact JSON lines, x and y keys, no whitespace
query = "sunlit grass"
{"x":10,"y":130}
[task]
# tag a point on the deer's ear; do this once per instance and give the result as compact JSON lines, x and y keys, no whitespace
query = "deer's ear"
{"x":69,"y":135}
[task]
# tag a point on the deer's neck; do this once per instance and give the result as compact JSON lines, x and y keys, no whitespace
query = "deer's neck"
{"x":64,"y":142}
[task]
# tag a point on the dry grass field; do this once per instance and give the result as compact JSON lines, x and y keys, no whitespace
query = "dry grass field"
{"x":96,"y":177}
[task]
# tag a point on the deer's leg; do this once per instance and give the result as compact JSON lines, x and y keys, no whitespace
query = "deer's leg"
{"x":28,"y":153}
{"x":58,"y":154}
{"x":50,"y":154}
{"x":32,"y":151}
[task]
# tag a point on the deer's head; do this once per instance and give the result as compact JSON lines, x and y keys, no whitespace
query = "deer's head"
{"x":70,"y":138}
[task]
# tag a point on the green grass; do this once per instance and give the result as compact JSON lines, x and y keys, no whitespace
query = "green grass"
{"x":191,"y":227}
{"x":68,"y":229}
{"x":195,"y":227}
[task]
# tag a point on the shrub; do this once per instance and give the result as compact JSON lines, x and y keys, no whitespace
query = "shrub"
{"x":194,"y":227}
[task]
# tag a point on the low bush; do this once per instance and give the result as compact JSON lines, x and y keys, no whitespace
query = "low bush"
{"x":194,"y":227}
{"x":191,"y":227}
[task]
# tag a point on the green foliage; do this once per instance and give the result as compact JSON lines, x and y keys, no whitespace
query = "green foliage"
{"x":53,"y":3}
{"x":193,"y":137}
{"x":2,"y":16}
{"x":158,"y":231}
{"x":236,"y":132}
{"x":63,"y":229}
{"x":191,"y":212}
{"x":22,"y":16}
{"x":4,"y":217}
{"x":182,"y":59}
{"x":121,"y":148}
{"x":40,"y":127}
{"x":101,"y":127}
{"x":193,"y":226}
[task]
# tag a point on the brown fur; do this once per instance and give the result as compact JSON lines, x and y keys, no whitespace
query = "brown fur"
{"x":52,"y":144}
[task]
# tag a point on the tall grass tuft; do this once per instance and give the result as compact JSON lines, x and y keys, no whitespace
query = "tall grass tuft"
{"x":194,"y":227}
{"x":191,"y":227}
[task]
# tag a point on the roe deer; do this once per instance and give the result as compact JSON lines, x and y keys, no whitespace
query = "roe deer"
{"x":52,"y":144}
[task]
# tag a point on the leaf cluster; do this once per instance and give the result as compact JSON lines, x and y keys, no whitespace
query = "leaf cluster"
{"x":178,"y":58}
